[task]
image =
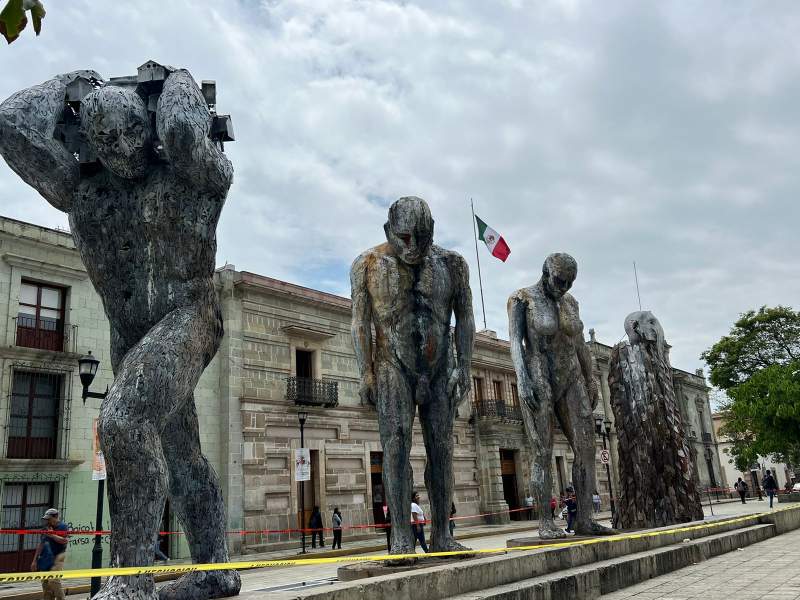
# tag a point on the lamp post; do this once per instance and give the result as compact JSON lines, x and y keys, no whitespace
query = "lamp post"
{"x":87,"y":369}
{"x":301,"y":417}
{"x":603,"y":428}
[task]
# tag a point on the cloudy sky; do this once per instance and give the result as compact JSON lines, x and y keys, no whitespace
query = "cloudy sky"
{"x":661,"y":132}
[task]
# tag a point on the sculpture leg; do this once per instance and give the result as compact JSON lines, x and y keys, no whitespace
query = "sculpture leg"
{"x":437,"y":416}
{"x":196,"y":496}
{"x":156,"y":373}
{"x":574,"y":412}
{"x":396,"y":409}
{"x":539,"y":426}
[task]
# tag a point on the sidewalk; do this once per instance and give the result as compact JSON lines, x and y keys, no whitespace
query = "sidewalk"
{"x":769,"y":570}
{"x":377,"y":543}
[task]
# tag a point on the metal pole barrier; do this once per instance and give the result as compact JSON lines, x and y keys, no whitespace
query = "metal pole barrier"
{"x":303,"y":495}
{"x":710,"y":506}
{"x":97,"y":551}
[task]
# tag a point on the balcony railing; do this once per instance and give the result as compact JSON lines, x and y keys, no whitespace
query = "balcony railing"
{"x":497,"y":409}
{"x":29,"y":335}
{"x":312,"y":392}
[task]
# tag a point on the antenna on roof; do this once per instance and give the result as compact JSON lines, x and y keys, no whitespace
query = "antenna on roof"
{"x":636,"y":279}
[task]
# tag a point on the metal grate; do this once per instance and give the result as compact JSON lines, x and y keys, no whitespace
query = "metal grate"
{"x":312,"y":392}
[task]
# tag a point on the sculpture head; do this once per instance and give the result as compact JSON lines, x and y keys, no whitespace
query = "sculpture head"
{"x":558,"y":274}
{"x":643,"y":327}
{"x":409,"y":229}
{"x":117,"y":128}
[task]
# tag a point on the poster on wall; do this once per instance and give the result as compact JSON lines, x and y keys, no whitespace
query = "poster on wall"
{"x":98,"y":460}
{"x":302,"y":464}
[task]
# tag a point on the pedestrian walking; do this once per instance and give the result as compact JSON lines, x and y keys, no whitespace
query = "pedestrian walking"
{"x":452,"y":520}
{"x":336,"y":519}
{"x":387,"y":525}
{"x":529,"y":506}
{"x":418,"y":523}
{"x":315,"y":525}
{"x":770,"y":486}
{"x":741,"y":487}
{"x":50,"y":554}
{"x":572,"y":510}
{"x":553,"y":506}
{"x":596,"y":501}
{"x":159,"y":555}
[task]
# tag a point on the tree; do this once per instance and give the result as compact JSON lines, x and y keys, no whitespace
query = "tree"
{"x":757,"y":341}
{"x":758,"y":366}
{"x":13,"y":18}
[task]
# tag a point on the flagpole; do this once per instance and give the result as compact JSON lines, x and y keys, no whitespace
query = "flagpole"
{"x":636,"y":279}
{"x":478,"y":256}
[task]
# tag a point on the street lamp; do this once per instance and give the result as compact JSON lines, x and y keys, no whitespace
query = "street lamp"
{"x":603,"y":429}
{"x":87,"y":369}
{"x":302,"y":416}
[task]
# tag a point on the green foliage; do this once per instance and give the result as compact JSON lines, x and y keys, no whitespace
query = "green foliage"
{"x":758,"y":366}
{"x":13,"y":18}
{"x":757,"y":341}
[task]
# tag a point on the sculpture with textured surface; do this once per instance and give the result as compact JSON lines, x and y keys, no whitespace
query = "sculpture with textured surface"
{"x":657,"y":485}
{"x":144,"y":189}
{"x":555,"y":381}
{"x":408,"y":289}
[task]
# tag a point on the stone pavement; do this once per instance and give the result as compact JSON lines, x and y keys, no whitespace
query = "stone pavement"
{"x":768,"y":570}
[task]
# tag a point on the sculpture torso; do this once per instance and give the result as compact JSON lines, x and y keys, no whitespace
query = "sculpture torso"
{"x":411,"y":308}
{"x":148,"y":245}
{"x":554,"y":327}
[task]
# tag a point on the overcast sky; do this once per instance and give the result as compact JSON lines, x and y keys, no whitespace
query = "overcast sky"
{"x":661,"y":132}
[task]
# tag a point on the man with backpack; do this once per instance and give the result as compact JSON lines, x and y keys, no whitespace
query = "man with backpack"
{"x":741,"y":487}
{"x":770,"y":486}
{"x":50,"y":554}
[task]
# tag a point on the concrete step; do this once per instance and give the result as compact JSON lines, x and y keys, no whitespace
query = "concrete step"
{"x":593,"y":580}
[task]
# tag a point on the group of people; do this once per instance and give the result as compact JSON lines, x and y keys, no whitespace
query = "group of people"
{"x":317,"y":527}
{"x":770,"y":485}
{"x":567,"y":501}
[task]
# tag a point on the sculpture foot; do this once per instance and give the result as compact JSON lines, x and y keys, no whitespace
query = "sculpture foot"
{"x":594,"y":528}
{"x":202,"y":585}
{"x":128,"y":588}
{"x":450,"y":545}
{"x":550,"y":531}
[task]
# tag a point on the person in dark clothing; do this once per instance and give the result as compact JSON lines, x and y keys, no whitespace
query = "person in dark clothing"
{"x":741,"y":487}
{"x":315,"y":524}
{"x":388,"y":527}
{"x":336,"y":519}
{"x":572,"y":509}
{"x":452,"y":514}
{"x":770,"y":486}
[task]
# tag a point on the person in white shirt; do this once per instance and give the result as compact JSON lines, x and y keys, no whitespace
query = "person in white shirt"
{"x":418,"y":523}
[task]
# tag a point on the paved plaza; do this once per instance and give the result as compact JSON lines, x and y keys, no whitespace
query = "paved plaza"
{"x":770,"y":570}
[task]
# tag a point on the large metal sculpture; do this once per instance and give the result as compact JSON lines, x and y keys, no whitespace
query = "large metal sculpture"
{"x":408,"y":289}
{"x":554,"y":378}
{"x":657,"y":484}
{"x":137,"y":164}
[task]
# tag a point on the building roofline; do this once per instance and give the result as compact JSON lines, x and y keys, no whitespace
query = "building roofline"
{"x":65,"y":233}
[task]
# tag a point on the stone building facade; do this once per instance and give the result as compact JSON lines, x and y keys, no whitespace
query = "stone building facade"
{"x":286,"y":349}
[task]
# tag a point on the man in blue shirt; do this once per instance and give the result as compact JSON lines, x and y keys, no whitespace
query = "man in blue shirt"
{"x":53,"y":544}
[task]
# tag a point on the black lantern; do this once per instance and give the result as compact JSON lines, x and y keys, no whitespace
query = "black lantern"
{"x":302,"y":416}
{"x":598,"y":424}
{"x":87,"y":369}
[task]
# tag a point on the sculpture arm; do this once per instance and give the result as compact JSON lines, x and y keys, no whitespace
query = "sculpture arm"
{"x":27,"y":122}
{"x":586,"y":363}
{"x":183,"y":122}
{"x":362,"y":329}
{"x":460,"y":381}
{"x":531,"y":379}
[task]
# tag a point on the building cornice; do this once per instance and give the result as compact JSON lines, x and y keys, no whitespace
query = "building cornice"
{"x":40,"y":266}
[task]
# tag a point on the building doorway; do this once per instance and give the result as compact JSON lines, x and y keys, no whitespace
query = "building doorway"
{"x":508,"y":470}
{"x":164,"y":536}
{"x":304,"y":363}
{"x":309,"y":491}
{"x":378,"y":490}
{"x":23,"y":507}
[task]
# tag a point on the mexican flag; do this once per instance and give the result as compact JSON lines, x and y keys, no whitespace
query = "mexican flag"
{"x":493,"y":240}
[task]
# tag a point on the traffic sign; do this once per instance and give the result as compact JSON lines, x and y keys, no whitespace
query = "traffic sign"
{"x":605,"y":457}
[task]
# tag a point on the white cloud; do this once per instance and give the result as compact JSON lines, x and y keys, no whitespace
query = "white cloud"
{"x":662,"y":133}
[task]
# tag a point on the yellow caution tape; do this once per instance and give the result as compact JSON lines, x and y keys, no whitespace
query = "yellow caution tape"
{"x":240,"y":566}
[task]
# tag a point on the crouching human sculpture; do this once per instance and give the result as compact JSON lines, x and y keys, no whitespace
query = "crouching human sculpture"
{"x":554,"y":377}
{"x":408,"y":289}
{"x":657,"y":485}
{"x":132,"y":164}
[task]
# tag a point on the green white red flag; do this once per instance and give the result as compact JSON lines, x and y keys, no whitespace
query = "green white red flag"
{"x":493,"y":240}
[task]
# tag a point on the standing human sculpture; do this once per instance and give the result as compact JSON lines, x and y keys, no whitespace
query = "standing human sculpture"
{"x":408,"y":289}
{"x":555,"y":381}
{"x":144,"y":187}
{"x":657,"y":482}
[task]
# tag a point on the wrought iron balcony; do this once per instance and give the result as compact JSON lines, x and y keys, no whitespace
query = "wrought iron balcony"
{"x":32,"y":334}
{"x":497,"y":409}
{"x":312,"y":392}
